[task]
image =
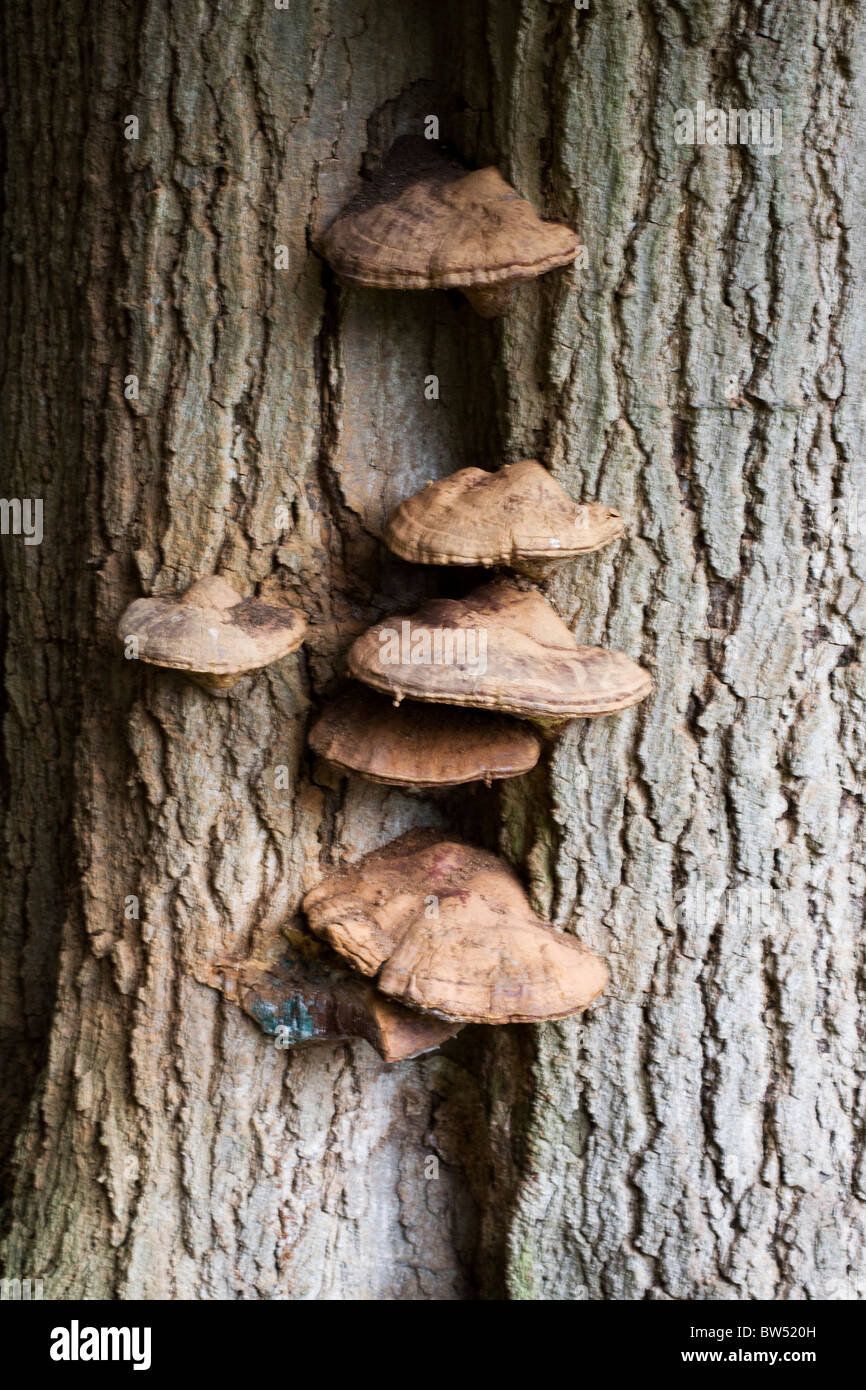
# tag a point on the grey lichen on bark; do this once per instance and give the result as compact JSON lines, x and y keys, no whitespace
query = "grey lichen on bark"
{"x":698,"y":1135}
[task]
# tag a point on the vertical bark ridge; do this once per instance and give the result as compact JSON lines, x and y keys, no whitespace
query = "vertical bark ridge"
{"x":171,"y":1152}
{"x":698,"y":1136}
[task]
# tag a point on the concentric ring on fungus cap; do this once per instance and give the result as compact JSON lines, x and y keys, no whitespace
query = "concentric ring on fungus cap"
{"x":518,"y":516}
{"x":416,"y":746}
{"x":502,"y":647}
{"x":424,"y":222}
{"x":482,"y":957}
{"x":211,"y":632}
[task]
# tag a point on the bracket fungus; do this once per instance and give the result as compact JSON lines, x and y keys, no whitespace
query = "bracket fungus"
{"x":296,"y":998}
{"x":211,"y":632}
{"x":416,"y":747}
{"x":425,"y":222}
{"x":503,"y":647}
{"x":518,"y":516}
{"x":480,"y":956}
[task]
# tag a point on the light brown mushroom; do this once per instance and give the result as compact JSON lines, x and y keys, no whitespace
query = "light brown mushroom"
{"x":447,"y":927}
{"x":211,"y":632}
{"x":416,"y":747}
{"x":502,"y":647}
{"x":297,"y":997}
{"x":424,"y":222}
{"x":519,"y":516}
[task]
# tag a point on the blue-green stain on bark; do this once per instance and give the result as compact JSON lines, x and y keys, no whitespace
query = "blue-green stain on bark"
{"x":292,"y":1014}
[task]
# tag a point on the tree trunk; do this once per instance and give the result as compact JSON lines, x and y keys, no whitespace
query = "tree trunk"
{"x":700,"y":1133}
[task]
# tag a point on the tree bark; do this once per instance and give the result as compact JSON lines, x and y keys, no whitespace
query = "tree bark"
{"x":698,"y":1135}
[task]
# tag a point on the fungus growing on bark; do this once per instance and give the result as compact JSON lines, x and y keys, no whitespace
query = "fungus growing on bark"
{"x":502,"y":647}
{"x":297,"y":997}
{"x":414,"y":746}
{"x":519,"y":516}
{"x":424,"y":222}
{"x":447,"y":927}
{"x":210,"y":632}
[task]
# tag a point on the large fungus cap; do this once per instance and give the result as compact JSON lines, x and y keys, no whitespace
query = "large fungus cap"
{"x":211,"y":632}
{"x":519,"y":516}
{"x":424,"y":222}
{"x":414,"y":746}
{"x":448,"y":928}
{"x":502,"y":647}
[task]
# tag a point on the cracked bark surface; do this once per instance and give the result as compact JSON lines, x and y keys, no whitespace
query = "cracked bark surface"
{"x":700,"y":1133}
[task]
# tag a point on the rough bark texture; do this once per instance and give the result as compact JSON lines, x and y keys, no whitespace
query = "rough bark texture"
{"x":700,"y":1135}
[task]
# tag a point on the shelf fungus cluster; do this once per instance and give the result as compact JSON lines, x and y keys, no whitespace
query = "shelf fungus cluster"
{"x":428,"y":933}
{"x":426,"y":223}
{"x":210,"y":632}
{"x":454,"y":694}
{"x":447,"y":928}
{"x":408,"y":945}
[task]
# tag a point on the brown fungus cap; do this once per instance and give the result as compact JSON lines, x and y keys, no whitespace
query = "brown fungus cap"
{"x":297,"y":998}
{"x":502,"y":647}
{"x":424,"y":222}
{"x":447,"y":927}
{"x":519,"y":516}
{"x":211,"y":632}
{"x":416,"y":746}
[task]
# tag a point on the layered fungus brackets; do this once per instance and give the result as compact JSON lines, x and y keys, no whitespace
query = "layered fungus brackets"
{"x":424,"y":222}
{"x":211,"y":632}
{"x":483,"y":956}
{"x":427,"y":933}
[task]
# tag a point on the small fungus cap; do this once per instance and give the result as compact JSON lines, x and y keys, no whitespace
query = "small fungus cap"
{"x":481,"y":957}
{"x":516,"y":515}
{"x":211,"y":629}
{"x":424,"y":222}
{"x":414,"y":746}
{"x":502,"y":647}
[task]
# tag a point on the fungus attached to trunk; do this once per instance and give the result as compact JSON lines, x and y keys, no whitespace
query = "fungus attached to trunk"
{"x":414,"y":746}
{"x":519,"y":516}
{"x":297,"y":997}
{"x":502,"y":647}
{"x":424,"y":222}
{"x":210,"y":632}
{"x":447,"y":927}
